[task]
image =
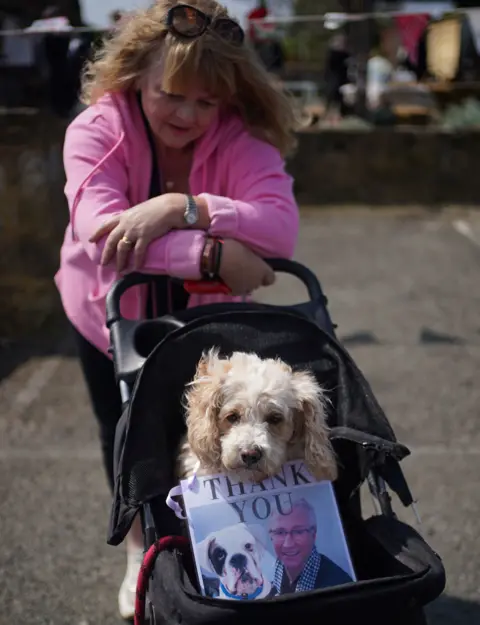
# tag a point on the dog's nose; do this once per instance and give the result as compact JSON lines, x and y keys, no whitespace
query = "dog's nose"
{"x":239,"y":561}
{"x":251,"y":457}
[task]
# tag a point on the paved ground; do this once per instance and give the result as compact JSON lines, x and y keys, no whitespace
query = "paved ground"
{"x":404,"y":292}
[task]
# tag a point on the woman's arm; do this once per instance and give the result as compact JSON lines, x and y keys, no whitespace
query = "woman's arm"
{"x":97,"y":188}
{"x":261,"y":210}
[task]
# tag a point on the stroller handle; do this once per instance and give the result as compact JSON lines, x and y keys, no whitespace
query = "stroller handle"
{"x":279,"y":265}
{"x":130,"y":340}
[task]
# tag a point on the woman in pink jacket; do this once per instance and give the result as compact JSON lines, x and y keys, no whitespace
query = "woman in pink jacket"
{"x":176,"y":168}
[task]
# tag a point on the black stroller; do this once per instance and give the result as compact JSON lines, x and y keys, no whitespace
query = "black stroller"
{"x":398,"y":572}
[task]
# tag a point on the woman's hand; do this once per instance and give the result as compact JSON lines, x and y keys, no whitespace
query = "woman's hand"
{"x":133,"y":230}
{"x":242,"y":270}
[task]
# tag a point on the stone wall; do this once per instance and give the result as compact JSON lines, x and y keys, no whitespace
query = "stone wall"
{"x":385,"y":167}
{"x":33,"y":215}
{"x":352,"y":167}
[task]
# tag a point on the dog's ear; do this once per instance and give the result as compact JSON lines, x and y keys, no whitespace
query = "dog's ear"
{"x":311,"y":423}
{"x":202,"y":403}
{"x":205,"y":363}
{"x":211,"y":365}
{"x":203,"y":554}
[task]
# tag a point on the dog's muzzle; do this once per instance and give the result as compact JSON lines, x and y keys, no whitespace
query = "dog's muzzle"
{"x":251,"y":457}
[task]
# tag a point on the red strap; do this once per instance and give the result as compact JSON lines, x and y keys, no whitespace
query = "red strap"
{"x":169,"y":542}
{"x":206,"y":287}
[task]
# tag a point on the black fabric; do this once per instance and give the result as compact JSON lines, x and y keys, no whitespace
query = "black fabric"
{"x":469,"y":64}
{"x":154,"y":423}
{"x":397,"y":574}
{"x":336,"y":75}
{"x":271,"y":54}
{"x":55,"y":49}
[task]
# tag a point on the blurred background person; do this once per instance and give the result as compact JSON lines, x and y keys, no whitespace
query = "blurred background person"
{"x":336,"y":76}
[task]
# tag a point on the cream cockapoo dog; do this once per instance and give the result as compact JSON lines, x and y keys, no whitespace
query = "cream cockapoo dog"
{"x":248,"y":416}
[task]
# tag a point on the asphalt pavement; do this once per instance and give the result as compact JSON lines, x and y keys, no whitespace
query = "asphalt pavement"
{"x":404,"y":291}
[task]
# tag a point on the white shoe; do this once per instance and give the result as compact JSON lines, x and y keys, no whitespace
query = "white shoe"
{"x":128,"y":589}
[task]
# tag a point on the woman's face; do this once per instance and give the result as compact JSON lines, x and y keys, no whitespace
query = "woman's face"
{"x":177,"y":119}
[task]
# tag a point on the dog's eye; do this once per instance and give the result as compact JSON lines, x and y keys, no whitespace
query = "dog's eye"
{"x":249,"y":547}
{"x":233,"y":417}
{"x":274,"y":419}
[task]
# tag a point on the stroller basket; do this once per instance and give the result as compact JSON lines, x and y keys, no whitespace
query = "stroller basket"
{"x":379,"y":546}
{"x":398,"y":573}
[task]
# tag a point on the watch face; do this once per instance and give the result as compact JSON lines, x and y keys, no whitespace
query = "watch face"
{"x":190,"y":218}
{"x":191,"y":212}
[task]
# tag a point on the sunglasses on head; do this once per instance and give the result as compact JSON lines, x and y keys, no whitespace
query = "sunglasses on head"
{"x":186,"y":21}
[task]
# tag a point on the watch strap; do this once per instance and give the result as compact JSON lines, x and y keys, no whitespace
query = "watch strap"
{"x":191,"y":210}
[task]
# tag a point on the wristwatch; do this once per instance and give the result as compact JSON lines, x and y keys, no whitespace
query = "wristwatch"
{"x":191,"y":211}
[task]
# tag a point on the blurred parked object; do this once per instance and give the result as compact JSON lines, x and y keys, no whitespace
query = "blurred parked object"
{"x":310,"y":107}
{"x":412,"y":103}
{"x":50,"y":24}
{"x":40,"y":55}
{"x":17,"y":61}
{"x":462,"y":116}
{"x":17,"y":49}
{"x":336,"y":75}
{"x":53,"y":50}
{"x":411,"y":29}
{"x":443,"y":48}
{"x":265,"y":38}
{"x":258,"y":30}
{"x":379,"y":75}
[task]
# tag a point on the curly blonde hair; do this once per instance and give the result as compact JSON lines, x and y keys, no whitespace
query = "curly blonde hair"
{"x":231,"y":72}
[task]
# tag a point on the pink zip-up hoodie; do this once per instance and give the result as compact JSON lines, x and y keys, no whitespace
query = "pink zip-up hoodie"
{"x":108,"y":167}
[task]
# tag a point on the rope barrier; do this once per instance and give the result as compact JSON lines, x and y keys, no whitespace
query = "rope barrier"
{"x":332,"y":19}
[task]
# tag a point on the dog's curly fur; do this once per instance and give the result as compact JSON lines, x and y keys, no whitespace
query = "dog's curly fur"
{"x":245,"y":406}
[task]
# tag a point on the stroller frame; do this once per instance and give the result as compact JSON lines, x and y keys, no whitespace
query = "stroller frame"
{"x":128,"y":364}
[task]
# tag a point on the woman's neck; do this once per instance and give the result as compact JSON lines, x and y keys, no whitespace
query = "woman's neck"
{"x":166,"y":153}
{"x":176,"y":165}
